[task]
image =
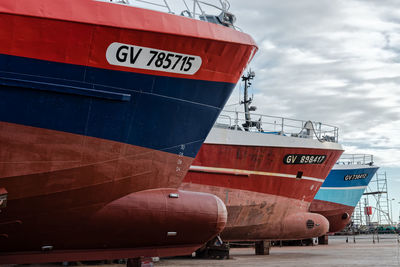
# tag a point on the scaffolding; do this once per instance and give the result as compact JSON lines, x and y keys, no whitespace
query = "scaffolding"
{"x":375,"y":196}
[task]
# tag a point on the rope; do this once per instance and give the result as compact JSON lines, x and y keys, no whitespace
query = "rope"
{"x":313,"y":130}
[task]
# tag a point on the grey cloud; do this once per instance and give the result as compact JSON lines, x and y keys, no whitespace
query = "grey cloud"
{"x":330,"y":61}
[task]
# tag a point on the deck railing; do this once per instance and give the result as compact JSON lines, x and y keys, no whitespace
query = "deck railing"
{"x":216,"y":11}
{"x":278,"y":125}
{"x":359,"y":159}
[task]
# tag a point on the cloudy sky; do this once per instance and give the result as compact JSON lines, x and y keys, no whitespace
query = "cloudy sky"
{"x":337,"y":62}
{"x":330,"y":61}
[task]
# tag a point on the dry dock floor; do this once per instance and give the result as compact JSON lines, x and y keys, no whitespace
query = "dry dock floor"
{"x":338,"y":253}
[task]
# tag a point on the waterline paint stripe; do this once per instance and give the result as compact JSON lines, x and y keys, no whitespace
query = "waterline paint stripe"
{"x":344,"y":188}
{"x":248,"y":173}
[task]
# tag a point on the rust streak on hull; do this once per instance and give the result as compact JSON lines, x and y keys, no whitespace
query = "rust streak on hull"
{"x":87,"y":194}
{"x":266,"y":198}
{"x":256,"y":216}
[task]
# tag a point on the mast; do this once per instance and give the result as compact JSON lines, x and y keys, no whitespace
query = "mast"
{"x":247,"y":101}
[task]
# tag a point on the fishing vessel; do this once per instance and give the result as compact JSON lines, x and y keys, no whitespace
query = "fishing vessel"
{"x":267,"y":171}
{"x":103,"y":107}
{"x":343,"y":189}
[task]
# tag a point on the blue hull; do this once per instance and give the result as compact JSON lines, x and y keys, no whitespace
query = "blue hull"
{"x":346,"y":184}
{"x":155,"y":112}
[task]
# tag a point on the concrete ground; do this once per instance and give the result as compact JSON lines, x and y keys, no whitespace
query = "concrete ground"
{"x":338,"y":253}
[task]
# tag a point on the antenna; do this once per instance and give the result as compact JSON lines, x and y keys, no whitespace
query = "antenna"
{"x":247,"y":101}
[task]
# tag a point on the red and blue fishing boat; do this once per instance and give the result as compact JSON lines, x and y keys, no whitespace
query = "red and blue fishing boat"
{"x":343,"y":189}
{"x":103,"y":107}
{"x":267,"y":171}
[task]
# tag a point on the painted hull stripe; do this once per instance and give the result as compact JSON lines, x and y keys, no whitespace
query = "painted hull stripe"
{"x":248,"y":173}
{"x":344,"y":188}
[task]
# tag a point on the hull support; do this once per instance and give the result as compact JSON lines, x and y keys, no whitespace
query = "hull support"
{"x":214,"y":249}
{"x":323,"y":240}
{"x":262,"y":247}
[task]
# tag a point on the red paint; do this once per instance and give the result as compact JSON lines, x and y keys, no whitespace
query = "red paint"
{"x":263,"y":207}
{"x":79,"y":193}
{"x":61,"y":186}
{"x":265,"y":159}
{"x":256,"y":216}
{"x":79,"y":31}
{"x":368,"y":210}
{"x":338,"y":215}
{"x":95,"y":254}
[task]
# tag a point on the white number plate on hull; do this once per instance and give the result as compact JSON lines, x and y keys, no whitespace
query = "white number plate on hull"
{"x":139,"y":57}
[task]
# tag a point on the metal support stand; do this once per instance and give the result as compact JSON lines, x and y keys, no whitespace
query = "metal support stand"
{"x":214,"y":249}
{"x":136,"y":262}
{"x":262,"y":247}
{"x":373,"y":236}
{"x":323,"y":240}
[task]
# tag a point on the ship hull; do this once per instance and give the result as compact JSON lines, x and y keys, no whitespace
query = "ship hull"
{"x":257,"y":216}
{"x":340,"y":193}
{"x":266,"y":199}
{"x":83,"y":127}
{"x":338,"y":215}
{"x":64,"y":189}
{"x":145,"y":223}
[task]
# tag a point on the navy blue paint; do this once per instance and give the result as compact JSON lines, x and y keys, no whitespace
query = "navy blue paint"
{"x":206,"y":92}
{"x":8,"y":79}
{"x":162,"y":114}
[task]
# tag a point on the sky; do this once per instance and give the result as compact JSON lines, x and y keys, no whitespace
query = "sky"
{"x":330,"y":61}
{"x":335,"y":62}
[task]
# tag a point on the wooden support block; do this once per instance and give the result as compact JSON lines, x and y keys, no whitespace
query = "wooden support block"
{"x":136,"y":262}
{"x":323,"y":240}
{"x":262,"y":247}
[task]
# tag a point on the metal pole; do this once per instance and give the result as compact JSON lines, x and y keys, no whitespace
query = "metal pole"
{"x":399,"y":214}
{"x":337,"y":134}
{"x":391,"y":212}
{"x":169,"y":9}
{"x":378,"y":200}
{"x":236,"y":120}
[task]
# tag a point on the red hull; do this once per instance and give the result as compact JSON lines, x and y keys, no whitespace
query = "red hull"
{"x":262,"y":159}
{"x":63,"y":174}
{"x":256,"y":216}
{"x":79,"y":31}
{"x":145,"y":223}
{"x":338,"y":215}
{"x":65,"y":182}
{"x":149,"y":221}
{"x":264,"y":198}
{"x":95,"y":254}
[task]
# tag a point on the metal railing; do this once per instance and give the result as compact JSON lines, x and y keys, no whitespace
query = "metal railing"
{"x":235,"y":120}
{"x":216,"y":11}
{"x":359,"y":159}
